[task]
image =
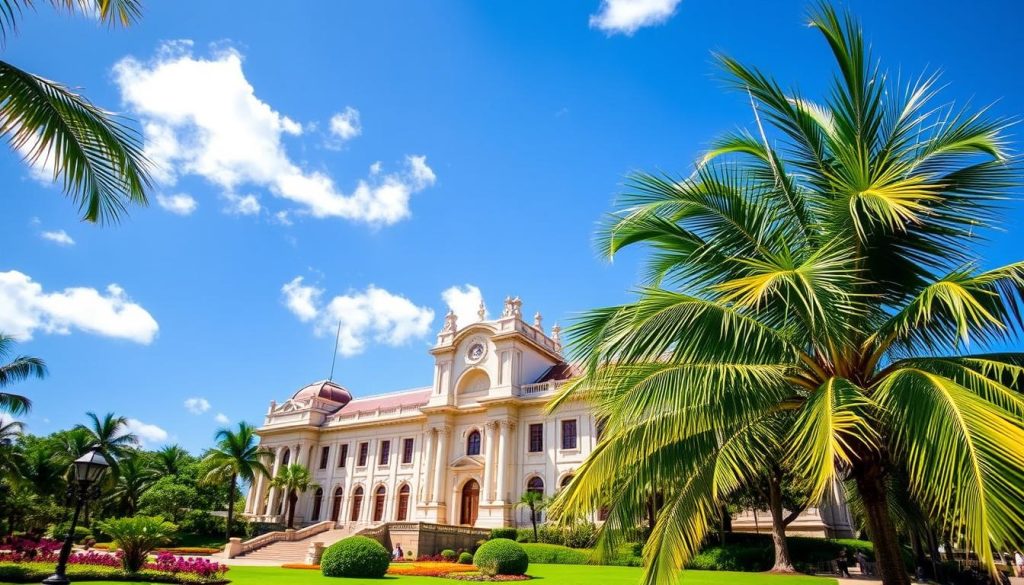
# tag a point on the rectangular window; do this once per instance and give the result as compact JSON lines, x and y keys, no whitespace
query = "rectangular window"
{"x":385,"y":452}
{"x":343,"y":455}
{"x":364,"y":451}
{"x":569,"y":434}
{"x":407,"y":446}
{"x":325,"y":452}
{"x":536,"y":438}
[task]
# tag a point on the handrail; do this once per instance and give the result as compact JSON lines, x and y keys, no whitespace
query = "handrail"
{"x":284,"y":535}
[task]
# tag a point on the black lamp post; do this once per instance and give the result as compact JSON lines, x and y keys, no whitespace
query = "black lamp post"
{"x":88,"y":468}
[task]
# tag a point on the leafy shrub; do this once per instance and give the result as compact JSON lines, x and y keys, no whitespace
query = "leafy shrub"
{"x":501,"y":556}
{"x":201,"y":522}
{"x":733,"y":558}
{"x":60,"y":532}
{"x":509,"y":533}
{"x":465,"y":559}
{"x":355,"y":556}
{"x":448,"y":555}
{"x":137,"y":537}
{"x":555,"y":554}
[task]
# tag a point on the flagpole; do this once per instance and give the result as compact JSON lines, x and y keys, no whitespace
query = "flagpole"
{"x":334,"y":358}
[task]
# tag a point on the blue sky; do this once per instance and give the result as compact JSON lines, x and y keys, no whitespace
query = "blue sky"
{"x":359,"y":159}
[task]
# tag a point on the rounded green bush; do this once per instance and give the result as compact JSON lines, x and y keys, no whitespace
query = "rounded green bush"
{"x":509,"y":533}
{"x":465,"y":559}
{"x":501,"y":556}
{"x":449,"y":555}
{"x":355,"y":556}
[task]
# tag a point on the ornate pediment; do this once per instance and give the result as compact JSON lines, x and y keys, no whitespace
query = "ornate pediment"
{"x":468,"y":462}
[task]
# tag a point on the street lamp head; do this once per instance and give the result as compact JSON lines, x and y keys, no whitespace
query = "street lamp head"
{"x":89,"y":468}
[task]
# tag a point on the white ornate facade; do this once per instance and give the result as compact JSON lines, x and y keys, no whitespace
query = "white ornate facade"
{"x":461,"y":451}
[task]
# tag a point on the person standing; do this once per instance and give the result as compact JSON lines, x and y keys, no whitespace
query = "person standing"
{"x":397,"y":554}
{"x":843,"y":564}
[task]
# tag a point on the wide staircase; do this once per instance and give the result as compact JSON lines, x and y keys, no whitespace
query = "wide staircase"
{"x":293,"y":551}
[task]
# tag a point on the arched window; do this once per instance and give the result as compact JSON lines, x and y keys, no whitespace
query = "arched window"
{"x":378,"y":504}
{"x":535,"y":485}
{"x":357,"y":503}
{"x":403,"y":503}
{"x":565,"y":481}
{"x":284,"y":458}
{"x":318,"y":500}
{"x":473,"y":443}
{"x":336,"y":505}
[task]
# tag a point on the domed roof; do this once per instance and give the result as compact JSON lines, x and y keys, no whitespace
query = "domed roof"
{"x":326,"y":390}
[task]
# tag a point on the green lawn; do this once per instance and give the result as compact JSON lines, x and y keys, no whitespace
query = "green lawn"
{"x":549,"y":574}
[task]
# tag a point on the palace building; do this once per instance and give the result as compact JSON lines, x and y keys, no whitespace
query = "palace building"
{"x":461,"y":451}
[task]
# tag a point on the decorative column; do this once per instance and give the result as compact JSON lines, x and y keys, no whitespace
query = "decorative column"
{"x":427,"y":465}
{"x":278,"y":454}
{"x":440,"y":463}
{"x":486,"y":491}
{"x":504,"y":440}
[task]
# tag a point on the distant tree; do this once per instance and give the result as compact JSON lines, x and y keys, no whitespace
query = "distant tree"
{"x":19,"y":367}
{"x":169,"y":497}
{"x":97,"y":157}
{"x":535,"y":503}
{"x":110,"y":436}
{"x":293,"y":479}
{"x":133,"y":479}
{"x":236,"y":456}
{"x":170,"y":460}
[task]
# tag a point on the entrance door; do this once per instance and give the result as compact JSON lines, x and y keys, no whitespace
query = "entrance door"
{"x":470,"y":502}
{"x":336,"y":506}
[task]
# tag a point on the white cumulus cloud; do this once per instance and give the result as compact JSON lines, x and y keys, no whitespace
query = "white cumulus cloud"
{"x":25,"y":307}
{"x":345,"y":125}
{"x":628,"y":16}
{"x":197,"y":405}
{"x":222,"y":418}
{"x":59,"y":237}
{"x":178,"y":204}
{"x":147,"y":433}
{"x":370,"y":315}
{"x":201,"y":116}
{"x":242,"y":204}
{"x":465,"y":301}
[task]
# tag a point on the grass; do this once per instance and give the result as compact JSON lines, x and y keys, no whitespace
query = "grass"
{"x":544,"y":575}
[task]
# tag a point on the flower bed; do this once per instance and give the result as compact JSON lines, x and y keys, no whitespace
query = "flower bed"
{"x":428,"y":569}
{"x":480,"y":577}
{"x":300,"y":566}
{"x":190,"y":550}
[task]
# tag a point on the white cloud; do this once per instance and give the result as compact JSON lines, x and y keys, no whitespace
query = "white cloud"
{"x":146,"y":433}
{"x":374,"y":314}
{"x":59,"y":237}
{"x":178,"y":204}
{"x":197,"y":405}
{"x":222,"y":418}
{"x":242,"y":204}
{"x":345,"y":125}
{"x":628,"y":16}
{"x":465,"y":301}
{"x":201,"y":116}
{"x":26,"y":308}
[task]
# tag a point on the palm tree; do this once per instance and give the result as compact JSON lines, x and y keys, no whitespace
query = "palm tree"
{"x":17,"y":369}
{"x":535,"y":502}
{"x":293,"y":479}
{"x":110,"y":436}
{"x":237,"y":456}
{"x":133,"y":480}
{"x":95,"y":155}
{"x":170,"y":460}
{"x":821,"y":266}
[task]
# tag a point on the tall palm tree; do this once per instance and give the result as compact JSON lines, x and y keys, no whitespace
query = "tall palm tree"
{"x":293,"y":480}
{"x":821,"y":266}
{"x":110,"y":436}
{"x":237,"y":455}
{"x":535,"y":503}
{"x":17,"y":369}
{"x":133,"y":479}
{"x":170,"y":460}
{"x":97,"y":158}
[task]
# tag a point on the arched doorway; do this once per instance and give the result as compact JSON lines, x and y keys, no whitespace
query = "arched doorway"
{"x":403,"y":504}
{"x":378,"y":504}
{"x":336,"y":505}
{"x":357,"y":503}
{"x":470,"y":503}
{"x":318,"y":500}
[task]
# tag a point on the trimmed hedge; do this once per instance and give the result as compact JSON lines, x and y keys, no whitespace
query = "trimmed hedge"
{"x":36,"y":572}
{"x":555,"y":554}
{"x":501,"y":556}
{"x":465,"y":559}
{"x":355,"y":556}
{"x":755,"y":552}
{"x":449,"y":555}
{"x":509,"y":533}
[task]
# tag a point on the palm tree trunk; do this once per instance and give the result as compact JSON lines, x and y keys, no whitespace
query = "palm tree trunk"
{"x":783,"y":562}
{"x":871,"y":485}
{"x":292,"y":499}
{"x":231,"y":506}
{"x":533,"y":520}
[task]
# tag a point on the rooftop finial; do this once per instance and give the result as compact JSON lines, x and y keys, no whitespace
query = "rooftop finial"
{"x":537,"y":322}
{"x":509,"y":309}
{"x":482,"y":311}
{"x":450,"y":322}
{"x":556,"y":335}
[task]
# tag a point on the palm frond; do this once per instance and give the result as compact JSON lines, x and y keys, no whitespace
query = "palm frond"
{"x":111,"y":12}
